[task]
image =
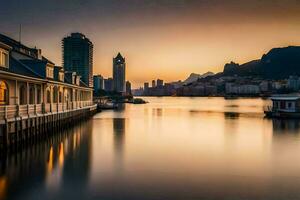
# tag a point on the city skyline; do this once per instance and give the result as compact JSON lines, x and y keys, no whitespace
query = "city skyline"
{"x":170,"y":38}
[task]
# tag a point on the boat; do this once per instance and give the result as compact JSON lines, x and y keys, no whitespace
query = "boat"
{"x":139,"y":101}
{"x":284,"y":107}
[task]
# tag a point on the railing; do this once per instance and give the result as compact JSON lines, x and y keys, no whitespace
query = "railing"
{"x":276,"y":109}
{"x":268,"y":108}
{"x":12,"y":111}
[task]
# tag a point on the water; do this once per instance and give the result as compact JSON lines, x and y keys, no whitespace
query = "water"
{"x":171,"y":148}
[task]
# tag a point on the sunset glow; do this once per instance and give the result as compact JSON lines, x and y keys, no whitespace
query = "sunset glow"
{"x":160,"y":39}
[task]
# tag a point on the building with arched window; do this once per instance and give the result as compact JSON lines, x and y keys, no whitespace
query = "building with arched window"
{"x":30,"y":81}
{"x":3,"y":93}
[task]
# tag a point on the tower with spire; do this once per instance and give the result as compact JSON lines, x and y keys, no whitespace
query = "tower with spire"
{"x":119,"y":78}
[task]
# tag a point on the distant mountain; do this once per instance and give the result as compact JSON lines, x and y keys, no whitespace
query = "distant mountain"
{"x":278,"y":63}
{"x":194,"y":77}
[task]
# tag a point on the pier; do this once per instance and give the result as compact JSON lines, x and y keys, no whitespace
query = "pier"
{"x":21,"y":124}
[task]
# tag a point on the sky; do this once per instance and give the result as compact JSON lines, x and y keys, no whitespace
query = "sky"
{"x":166,"y":39}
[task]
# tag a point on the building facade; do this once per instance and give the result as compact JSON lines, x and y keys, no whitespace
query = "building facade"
{"x":29,"y":81}
{"x":78,"y":56}
{"x":119,"y":76}
{"x":153,"y":83}
{"x":98,"y":82}
{"x":128,"y":88}
{"x":159,"y":83}
{"x":108,"y":84}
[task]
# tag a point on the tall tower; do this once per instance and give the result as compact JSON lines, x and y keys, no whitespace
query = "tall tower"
{"x":78,"y":56}
{"x":119,"y":67}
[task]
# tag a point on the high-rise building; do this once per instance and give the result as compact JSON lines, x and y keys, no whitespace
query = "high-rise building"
{"x":153,"y":84}
{"x":78,"y":56}
{"x":146,"y":86}
{"x":159,"y":83}
{"x":119,"y":67}
{"x":128,"y":88}
{"x":108,"y":84}
{"x":98,"y":82}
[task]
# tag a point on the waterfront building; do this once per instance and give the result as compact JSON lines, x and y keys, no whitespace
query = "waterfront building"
{"x":138,"y":92}
{"x":246,"y":89}
{"x":293,"y":83}
{"x":78,"y":56}
{"x":159,"y":83}
{"x":146,"y":86}
{"x":287,"y":106}
{"x":98,"y":82}
{"x":119,"y":67}
{"x":128,"y":88}
{"x":264,"y":86}
{"x":108,"y":84}
{"x":32,"y":87}
{"x":153,"y":83}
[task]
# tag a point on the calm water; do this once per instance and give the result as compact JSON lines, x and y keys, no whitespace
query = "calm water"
{"x":171,"y":148}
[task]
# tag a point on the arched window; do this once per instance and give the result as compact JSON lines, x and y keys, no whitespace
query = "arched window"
{"x":38,"y":94}
{"x":23,"y":95}
{"x":31,"y":94}
{"x":3,"y":93}
{"x":60,"y":97}
{"x":55,"y":91}
{"x":48,"y":96}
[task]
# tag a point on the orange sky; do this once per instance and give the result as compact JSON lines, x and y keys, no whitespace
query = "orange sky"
{"x":160,"y":39}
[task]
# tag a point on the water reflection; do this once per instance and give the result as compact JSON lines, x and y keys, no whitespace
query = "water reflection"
{"x":54,"y":163}
{"x":119,"y":136}
{"x":286,"y":126}
{"x":231,"y":115}
{"x":171,"y":148}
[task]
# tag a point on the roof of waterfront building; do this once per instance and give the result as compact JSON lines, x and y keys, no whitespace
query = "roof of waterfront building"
{"x":19,"y":67}
{"x":285,"y":97}
{"x":29,"y":62}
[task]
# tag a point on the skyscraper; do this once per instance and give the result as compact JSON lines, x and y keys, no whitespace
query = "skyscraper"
{"x":128,"y":88}
{"x":153,"y":83}
{"x":119,"y":67}
{"x":108,"y":84}
{"x":78,"y":56}
{"x":159,"y":83}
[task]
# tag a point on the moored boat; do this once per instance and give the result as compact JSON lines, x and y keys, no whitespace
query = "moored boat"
{"x":284,"y":107}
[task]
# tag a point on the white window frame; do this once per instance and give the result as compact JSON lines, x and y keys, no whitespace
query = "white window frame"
{"x":2,"y":62}
{"x":49,"y":72}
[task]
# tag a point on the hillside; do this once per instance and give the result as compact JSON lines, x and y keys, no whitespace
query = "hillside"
{"x":278,"y":63}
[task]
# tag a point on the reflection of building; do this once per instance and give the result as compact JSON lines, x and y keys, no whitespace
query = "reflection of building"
{"x":61,"y":163}
{"x":284,"y":126}
{"x":119,"y":138}
{"x":78,"y":56}
{"x":119,"y":67}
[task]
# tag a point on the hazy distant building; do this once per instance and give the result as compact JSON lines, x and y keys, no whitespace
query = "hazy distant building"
{"x":108,"y":84}
{"x":159,"y":83}
{"x":293,"y":83}
{"x":119,"y":67}
{"x":98,"y":82}
{"x":153,"y":83}
{"x":78,"y":56}
{"x":264,"y":86}
{"x":146,"y":86}
{"x":128,"y":88}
